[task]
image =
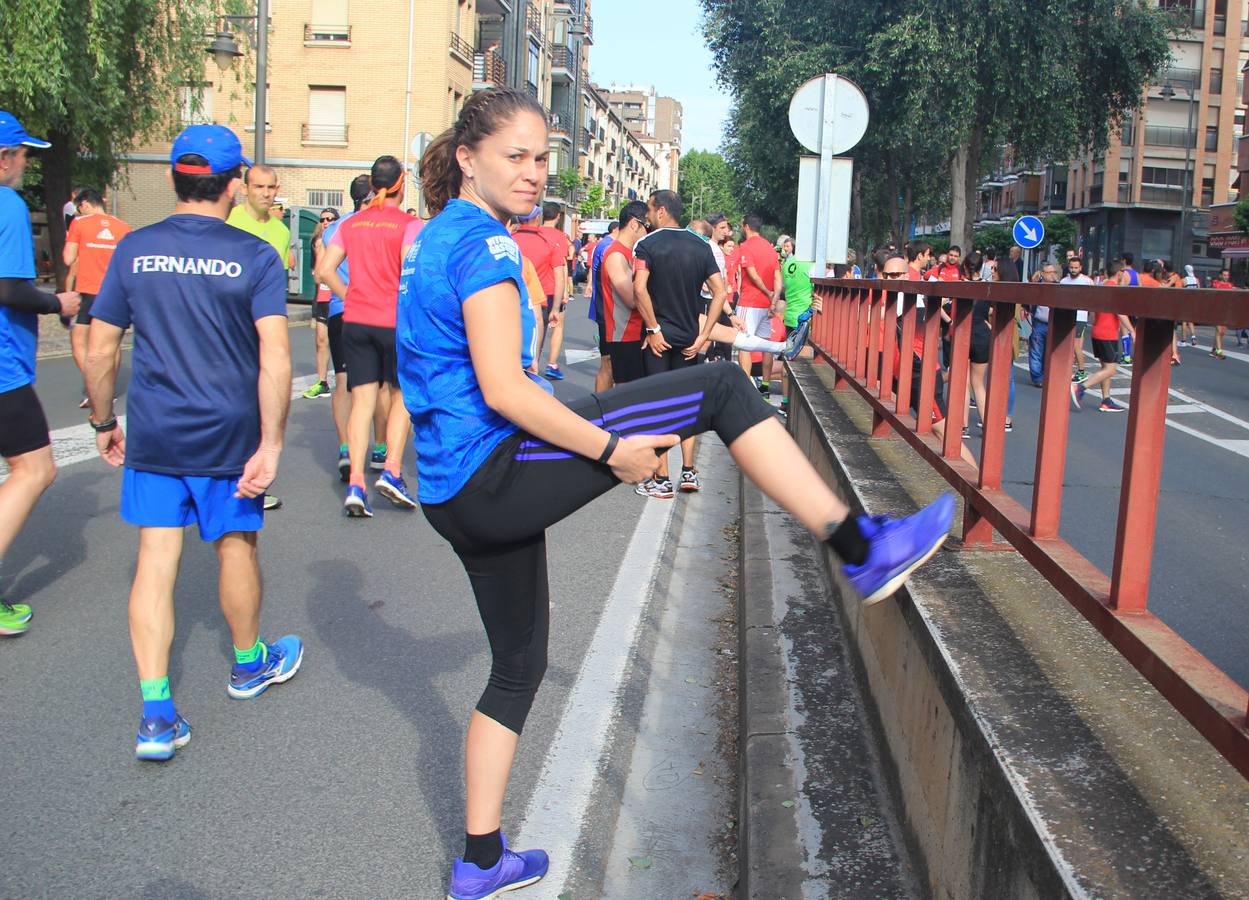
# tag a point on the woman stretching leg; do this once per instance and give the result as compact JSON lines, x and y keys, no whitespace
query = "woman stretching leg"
{"x":500,"y":459}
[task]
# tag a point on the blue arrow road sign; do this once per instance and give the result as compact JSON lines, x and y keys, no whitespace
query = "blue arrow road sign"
{"x":1028,"y":232}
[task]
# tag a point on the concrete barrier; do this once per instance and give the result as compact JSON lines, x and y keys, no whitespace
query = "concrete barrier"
{"x":1026,"y":757}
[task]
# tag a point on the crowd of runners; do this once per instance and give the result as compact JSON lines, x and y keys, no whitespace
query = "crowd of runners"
{"x":435,"y":332}
{"x":1110,"y":335}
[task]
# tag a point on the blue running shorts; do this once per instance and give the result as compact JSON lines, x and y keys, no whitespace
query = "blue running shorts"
{"x":154,"y":500}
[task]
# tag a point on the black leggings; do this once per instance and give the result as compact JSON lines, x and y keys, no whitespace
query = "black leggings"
{"x":497,"y":522}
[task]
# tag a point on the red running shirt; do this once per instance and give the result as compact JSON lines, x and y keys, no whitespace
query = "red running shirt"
{"x":544,"y":252}
{"x":756,"y":253}
{"x":373,"y":241}
{"x":622,"y":323}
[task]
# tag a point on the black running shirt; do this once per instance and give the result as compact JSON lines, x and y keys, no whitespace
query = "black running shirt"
{"x":678,"y":262}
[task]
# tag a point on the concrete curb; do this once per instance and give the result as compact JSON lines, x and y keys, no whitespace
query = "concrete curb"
{"x":769,"y":850}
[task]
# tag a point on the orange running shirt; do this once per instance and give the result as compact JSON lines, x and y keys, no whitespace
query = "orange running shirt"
{"x":97,"y":237}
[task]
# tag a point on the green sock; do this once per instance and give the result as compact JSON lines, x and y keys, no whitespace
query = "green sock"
{"x":342,"y":448}
{"x":379,"y":449}
{"x":156,"y":698}
{"x":251,"y":659}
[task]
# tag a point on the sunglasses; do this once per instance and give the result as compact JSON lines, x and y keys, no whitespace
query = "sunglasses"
{"x":329,"y":219}
{"x":893,"y":274}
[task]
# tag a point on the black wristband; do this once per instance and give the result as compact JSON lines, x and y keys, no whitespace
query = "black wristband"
{"x":103,"y":426}
{"x":610,"y":449}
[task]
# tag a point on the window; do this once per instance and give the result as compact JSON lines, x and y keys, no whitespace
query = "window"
{"x":329,"y":22}
{"x":197,"y":104}
{"x":322,"y":198}
{"x":1157,"y":243}
{"x":327,"y":115}
{"x":533,"y":65}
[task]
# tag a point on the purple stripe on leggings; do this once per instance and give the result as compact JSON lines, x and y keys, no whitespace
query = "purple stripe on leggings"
{"x":628,"y":411}
{"x":660,"y":417}
{"x":632,"y":432}
{"x":654,"y":404}
{"x":530,"y":457}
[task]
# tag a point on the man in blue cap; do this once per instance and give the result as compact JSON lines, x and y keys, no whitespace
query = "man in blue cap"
{"x":24,"y":441}
{"x":202,"y":297}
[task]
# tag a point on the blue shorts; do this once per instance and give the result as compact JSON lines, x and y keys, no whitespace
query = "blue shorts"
{"x":154,"y":500}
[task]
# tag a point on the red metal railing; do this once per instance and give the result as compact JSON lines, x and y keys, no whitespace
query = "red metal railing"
{"x":848,"y":334}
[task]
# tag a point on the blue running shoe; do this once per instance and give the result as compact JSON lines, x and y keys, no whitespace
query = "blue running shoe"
{"x":796,"y":341}
{"x":344,"y":465}
{"x":357,"y":503}
{"x":282,"y":659}
{"x":553,"y":373}
{"x":159,"y":738}
{"x":1077,"y":396}
{"x":512,"y":872}
{"x":377,"y":457}
{"x":395,"y":489}
{"x":897,"y":547}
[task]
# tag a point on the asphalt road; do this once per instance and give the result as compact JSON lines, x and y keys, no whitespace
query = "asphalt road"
{"x":1199,"y":579}
{"x":346,"y":781}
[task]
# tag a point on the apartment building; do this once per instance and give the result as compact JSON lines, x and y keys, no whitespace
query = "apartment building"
{"x":647,"y":113}
{"x":1151,"y":193}
{"x":616,"y":157}
{"x":338,"y":96}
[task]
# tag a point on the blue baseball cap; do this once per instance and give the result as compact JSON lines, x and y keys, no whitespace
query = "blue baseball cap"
{"x":12,"y":134}
{"x":217,"y":144}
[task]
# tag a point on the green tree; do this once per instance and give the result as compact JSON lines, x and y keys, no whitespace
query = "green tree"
{"x":95,"y":79}
{"x":569,"y":184}
{"x":949,"y":82}
{"x":707,"y":185}
{"x":595,"y":199}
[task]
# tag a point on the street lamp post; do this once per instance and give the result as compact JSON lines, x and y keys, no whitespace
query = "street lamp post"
{"x":224,"y":51}
{"x":1183,"y":245}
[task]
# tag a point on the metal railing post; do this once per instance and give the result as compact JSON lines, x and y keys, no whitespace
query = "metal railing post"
{"x":1001,"y":362}
{"x":906,"y":354}
{"x":1051,"y":450}
{"x":1142,"y":465}
{"x":960,"y":364}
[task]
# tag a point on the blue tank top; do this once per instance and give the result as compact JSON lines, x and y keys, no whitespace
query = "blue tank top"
{"x":461,"y":251}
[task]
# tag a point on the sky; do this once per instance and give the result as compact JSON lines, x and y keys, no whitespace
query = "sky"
{"x":632,"y":37}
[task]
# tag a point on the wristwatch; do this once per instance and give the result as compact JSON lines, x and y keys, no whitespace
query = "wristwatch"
{"x":654,"y":330}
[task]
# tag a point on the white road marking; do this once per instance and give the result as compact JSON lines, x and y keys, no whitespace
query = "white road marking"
{"x":558,"y":806}
{"x":579,"y":356}
{"x":76,"y":443}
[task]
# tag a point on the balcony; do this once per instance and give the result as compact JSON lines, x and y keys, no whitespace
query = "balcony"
{"x":1180,"y":78}
{"x":533,"y":24}
{"x":1169,"y":136}
{"x":327,"y":35}
{"x":563,"y":65}
{"x":494,"y":7}
{"x":1162,"y":195}
{"x":461,"y":49}
{"x":588,"y":21}
{"x":489,"y":70}
{"x":561,"y":128}
{"x":531,"y":89}
{"x":326,"y":135}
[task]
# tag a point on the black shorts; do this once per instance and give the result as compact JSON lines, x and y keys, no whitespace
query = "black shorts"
{"x":25,"y":426}
{"x":670,"y":360}
{"x":1107,"y":351}
{"x":626,"y":361}
{"x":980,"y":345}
{"x":84,"y":309}
{"x":338,"y":356}
{"x":321,"y":311}
{"x":369,"y":354}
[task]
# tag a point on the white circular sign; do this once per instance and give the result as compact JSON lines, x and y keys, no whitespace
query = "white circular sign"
{"x":850,"y":113}
{"x":419,"y":143}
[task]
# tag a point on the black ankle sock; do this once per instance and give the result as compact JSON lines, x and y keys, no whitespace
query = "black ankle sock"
{"x":483,"y":850}
{"x":848,"y":541}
